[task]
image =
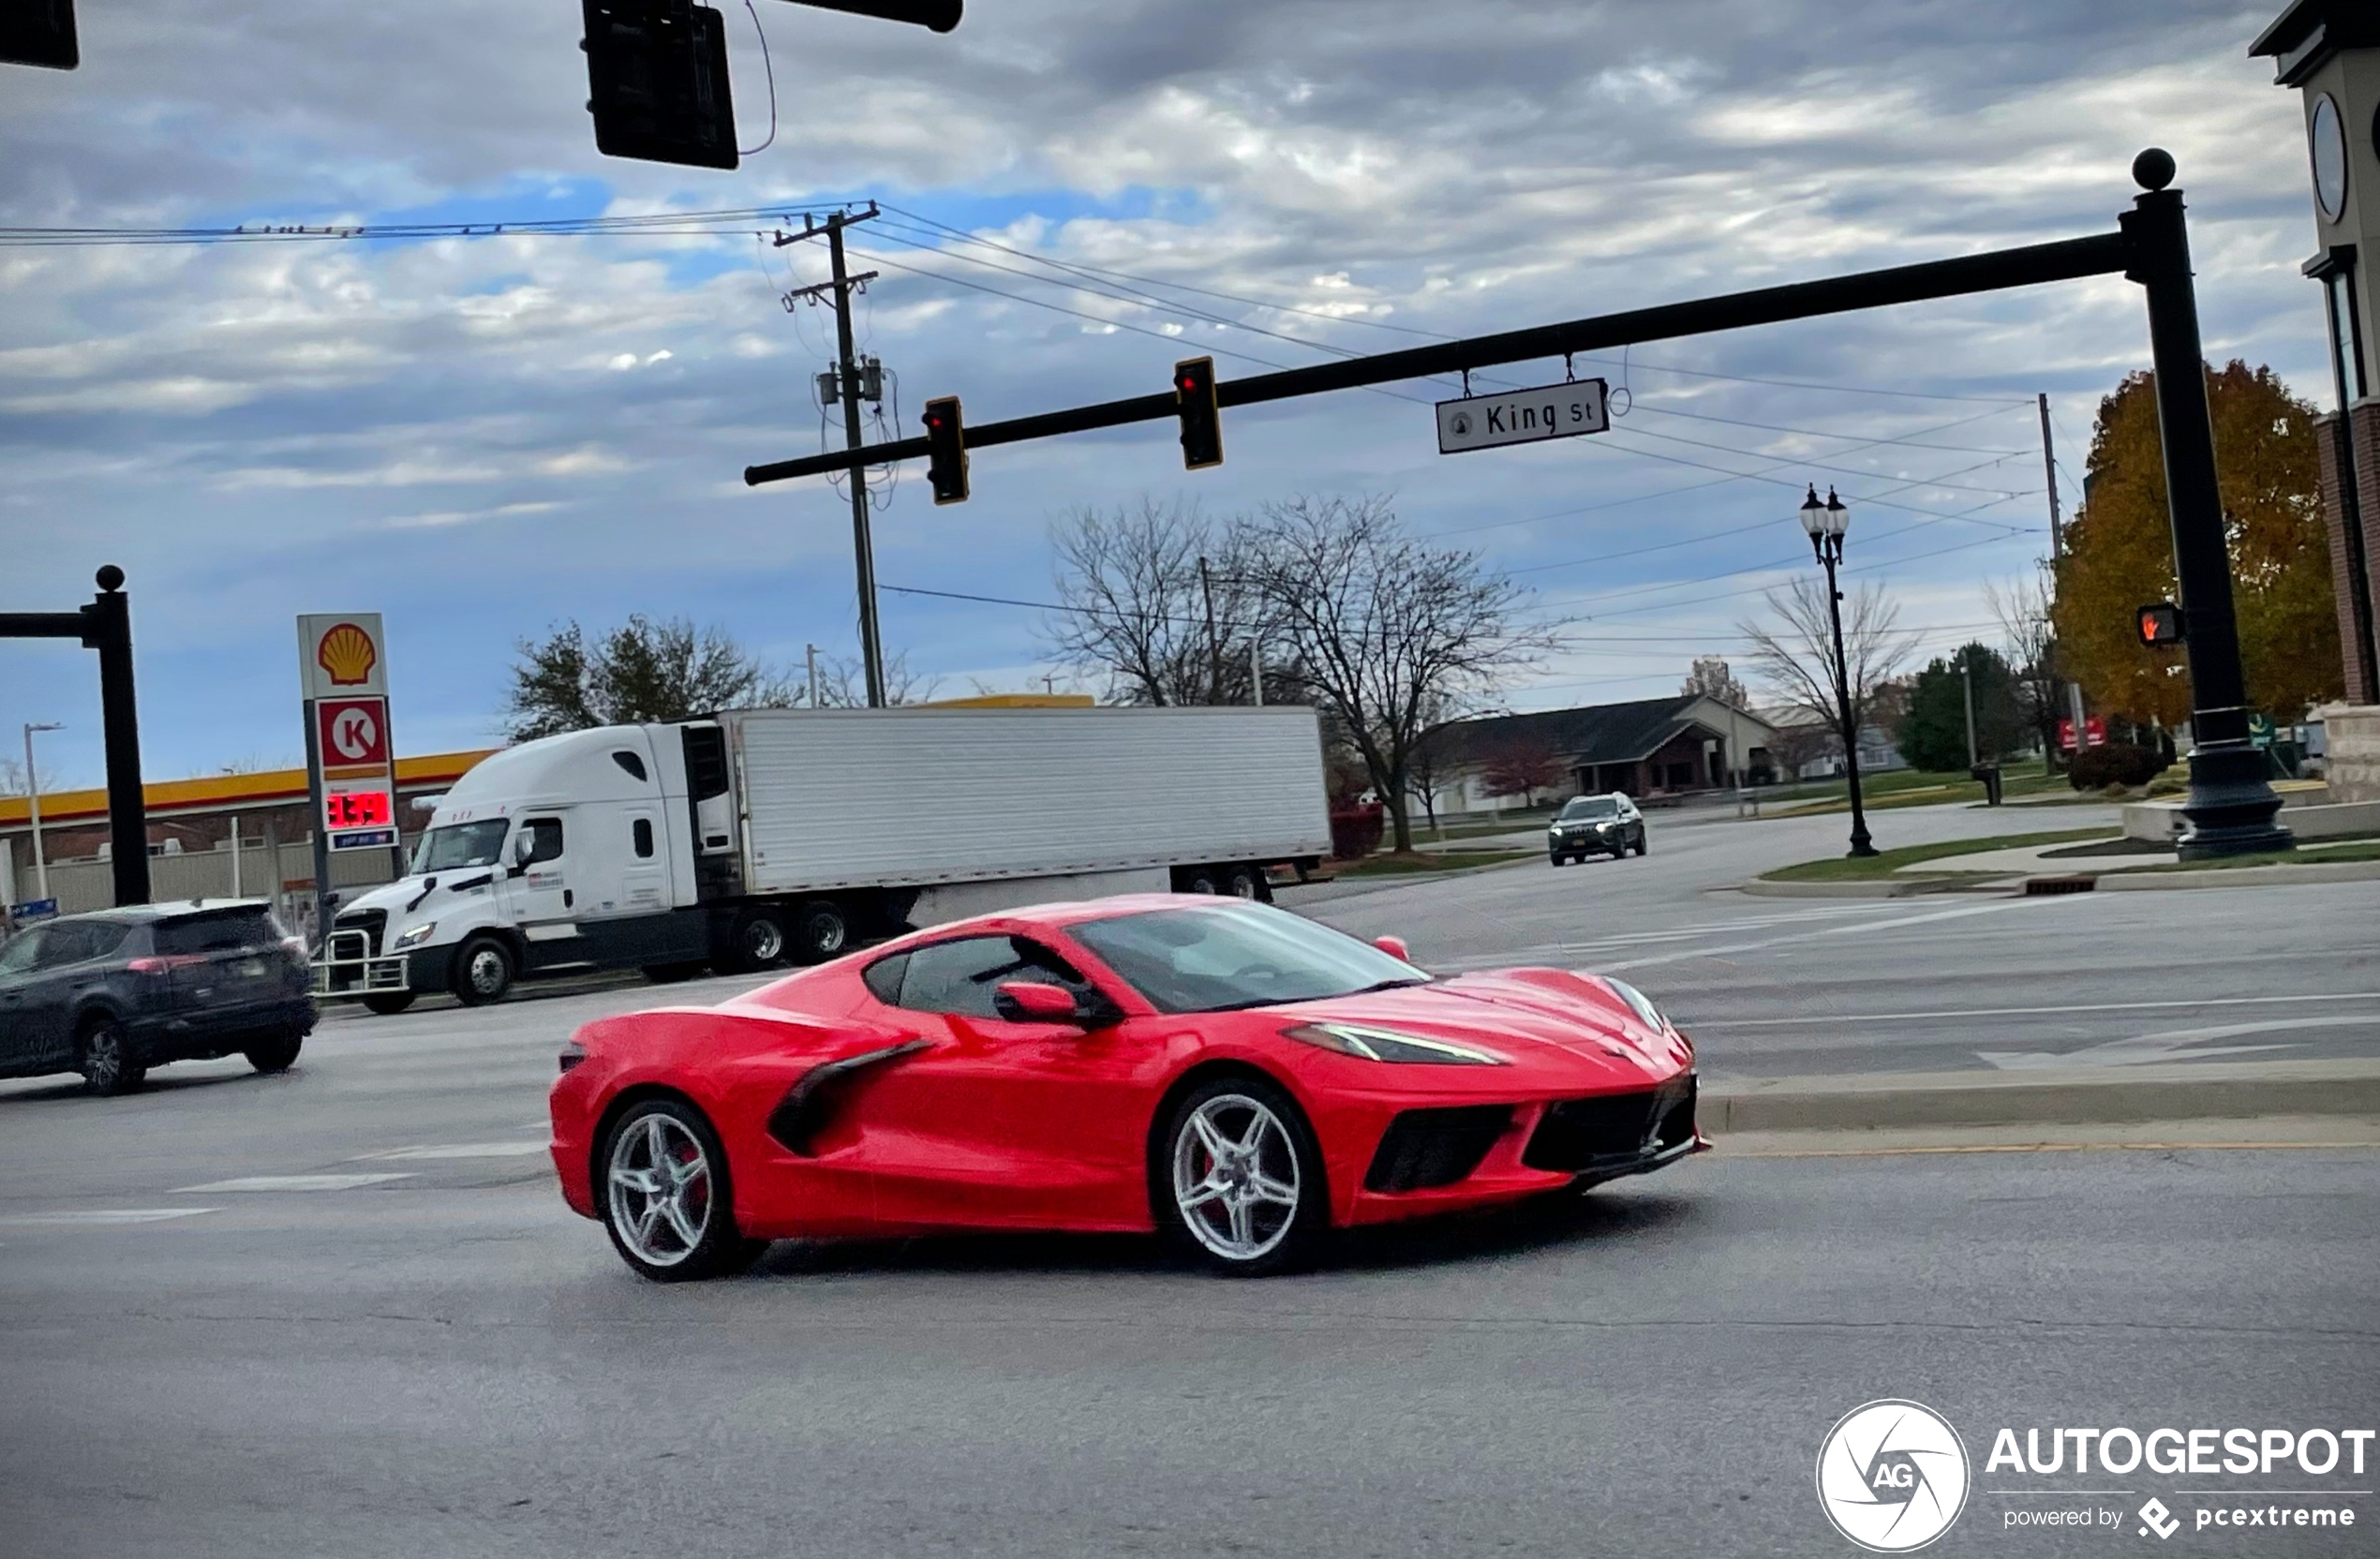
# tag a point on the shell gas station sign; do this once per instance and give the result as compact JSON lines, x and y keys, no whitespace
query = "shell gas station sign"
{"x":343,"y":668}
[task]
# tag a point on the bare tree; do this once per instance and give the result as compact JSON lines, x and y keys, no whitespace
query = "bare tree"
{"x":1794,"y":652}
{"x":1712,"y":679}
{"x":842,"y":683}
{"x":1434,"y":763}
{"x":1381,"y":628}
{"x":2023,"y":609}
{"x":1154,"y":606}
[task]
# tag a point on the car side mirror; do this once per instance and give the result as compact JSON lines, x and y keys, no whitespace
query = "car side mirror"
{"x":1394,"y":947}
{"x":523,"y":848}
{"x":1031,"y":1002}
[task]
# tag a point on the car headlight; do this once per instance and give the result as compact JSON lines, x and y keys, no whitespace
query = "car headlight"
{"x":1638,"y":1003}
{"x":1371,"y":1043}
{"x":416,"y":935}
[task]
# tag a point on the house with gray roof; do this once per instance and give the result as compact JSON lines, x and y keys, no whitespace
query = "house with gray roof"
{"x":1650,"y":749}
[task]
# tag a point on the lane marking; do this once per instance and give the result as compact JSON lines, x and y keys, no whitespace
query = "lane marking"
{"x":101,"y":1217}
{"x":2025,"y":1012}
{"x":1864,"y":926}
{"x":459,"y":1150}
{"x":285,"y":1183}
{"x":2177,"y":1045}
{"x":2047,"y":1147}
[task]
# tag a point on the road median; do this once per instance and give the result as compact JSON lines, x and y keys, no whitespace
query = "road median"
{"x":2045,"y":1096}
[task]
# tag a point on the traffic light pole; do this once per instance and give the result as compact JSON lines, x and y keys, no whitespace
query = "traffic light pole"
{"x":863,"y":545}
{"x":106,"y":626}
{"x":2231,"y":805}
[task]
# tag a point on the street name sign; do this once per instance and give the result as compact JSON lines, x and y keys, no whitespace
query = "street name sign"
{"x":1523,"y":416}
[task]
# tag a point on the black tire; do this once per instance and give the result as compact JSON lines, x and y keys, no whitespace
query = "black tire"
{"x":1644,"y":843}
{"x":821,"y":930}
{"x":757,"y":941}
{"x":484,"y":972}
{"x":103,"y":1054}
{"x":719,"y":1248}
{"x":1619,"y":851}
{"x":1244,"y":881}
{"x":670,"y":974}
{"x":390,"y":1003}
{"x":1199,"y":879}
{"x":276,"y":1052}
{"x":1285,"y":1247}
{"x":1559,"y":859}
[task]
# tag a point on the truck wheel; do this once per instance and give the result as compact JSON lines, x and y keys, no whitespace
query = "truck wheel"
{"x":483,"y":972}
{"x":1200,"y":879}
{"x":821,"y":931}
{"x":1246,"y":882}
{"x":389,"y":1004}
{"x":757,"y":942}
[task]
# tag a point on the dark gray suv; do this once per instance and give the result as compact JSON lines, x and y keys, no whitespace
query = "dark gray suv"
{"x":1595,"y":825}
{"x":111,"y":994}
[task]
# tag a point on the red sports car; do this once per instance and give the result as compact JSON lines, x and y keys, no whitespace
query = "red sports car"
{"x":1233,"y":1074}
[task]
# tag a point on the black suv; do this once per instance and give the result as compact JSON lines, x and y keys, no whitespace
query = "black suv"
{"x":1595,"y":825}
{"x":114,"y":993}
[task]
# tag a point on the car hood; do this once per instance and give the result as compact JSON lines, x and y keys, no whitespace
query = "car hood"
{"x":1539,"y":1018}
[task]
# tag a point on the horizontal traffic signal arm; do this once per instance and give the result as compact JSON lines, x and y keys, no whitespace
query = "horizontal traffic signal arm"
{"x":938,"y":16}
{"x":2065,"y":260}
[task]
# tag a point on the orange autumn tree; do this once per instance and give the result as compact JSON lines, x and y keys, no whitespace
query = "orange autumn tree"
{"x":2120,"y":552}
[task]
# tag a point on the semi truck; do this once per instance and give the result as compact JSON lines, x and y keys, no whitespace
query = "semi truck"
{"x":756,"y":836}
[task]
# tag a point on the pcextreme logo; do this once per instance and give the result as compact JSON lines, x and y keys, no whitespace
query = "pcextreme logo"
{"x":1892,"y":1476}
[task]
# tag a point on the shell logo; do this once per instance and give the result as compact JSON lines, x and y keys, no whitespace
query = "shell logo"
{"x":348,"y":654}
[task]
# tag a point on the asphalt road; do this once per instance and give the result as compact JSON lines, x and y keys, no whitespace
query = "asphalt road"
{"x":1794,"y":986}
{"x":413,"y":1350}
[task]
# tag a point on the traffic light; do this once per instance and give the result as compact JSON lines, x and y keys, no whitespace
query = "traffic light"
{"x":1202,"y":422}
{"x":946,"y":460}
{"x":2160,"y":624}
{"x":38,"y":32}
{"x":657,"y":81}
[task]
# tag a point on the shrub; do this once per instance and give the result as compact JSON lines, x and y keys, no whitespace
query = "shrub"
{"x":1355,"y":833}
{"x":2116,"y":764}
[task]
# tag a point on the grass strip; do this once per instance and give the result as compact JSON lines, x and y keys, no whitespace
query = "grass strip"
{"x":1885,"y":863}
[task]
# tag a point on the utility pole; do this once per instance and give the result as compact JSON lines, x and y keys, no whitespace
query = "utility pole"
{"x":871,"y":652}
{"x":33,"y":811}
{"x":1967,"y":676}
{"x":2058,"y":554}
{"x":811,"y":652}
{"x":1256,"y":668}
{"x":1214,"y":646}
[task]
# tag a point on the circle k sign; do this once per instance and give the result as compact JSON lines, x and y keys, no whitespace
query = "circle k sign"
{"x":353,"y":732}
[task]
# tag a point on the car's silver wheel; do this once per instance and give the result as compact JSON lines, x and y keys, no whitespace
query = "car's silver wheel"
{"x":659,"y":1182}
{"x":106,"y":1064}
{"x":1236,"y":1177}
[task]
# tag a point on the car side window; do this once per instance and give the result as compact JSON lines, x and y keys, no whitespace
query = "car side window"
{"x":65,"y":944}
{"x":882,"y":978}
{"x":546,"y":838}
{"x":958,"y":978}
{"x":23,"y":950}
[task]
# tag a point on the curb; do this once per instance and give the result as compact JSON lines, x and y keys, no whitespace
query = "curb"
{"x":2066,"y":1096}
{"x":2242,"y":877}
{"x":1997,"y":883}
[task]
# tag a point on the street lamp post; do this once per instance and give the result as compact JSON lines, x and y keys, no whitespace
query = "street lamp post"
{"x":33,"y":811}
{"x":1826,"y":522}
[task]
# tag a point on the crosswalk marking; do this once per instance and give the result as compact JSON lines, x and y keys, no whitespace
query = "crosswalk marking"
{"x":459,"y":1149}
{"x":99,"y":1217}
{"x":285,"y":1183}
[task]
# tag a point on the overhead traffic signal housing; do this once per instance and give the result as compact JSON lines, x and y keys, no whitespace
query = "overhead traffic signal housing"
{"x":657,"y":81}
{"x":1201,"y":421}
{"x":934,"y":15}
{"x":946,"y":454}
{"x":38,"y":32}
{"x":2160,"y":624}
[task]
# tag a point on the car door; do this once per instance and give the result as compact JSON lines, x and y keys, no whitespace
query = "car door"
{"x":1001,"y":1123}
{"x":24,"y":1043}
{"x":537,"y":893}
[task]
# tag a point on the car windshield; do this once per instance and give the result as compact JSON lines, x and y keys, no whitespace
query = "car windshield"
{"x":1214,"y":958}
{"x":459,"y":845}
{"x":1590,"y":806}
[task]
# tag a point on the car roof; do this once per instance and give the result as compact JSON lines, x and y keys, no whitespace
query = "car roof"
{"x":144,"y":915}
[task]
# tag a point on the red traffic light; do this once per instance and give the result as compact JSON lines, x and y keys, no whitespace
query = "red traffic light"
{"x":2160,"y":624}
{"x":946,"y":450}
{"x":1202,"y":422}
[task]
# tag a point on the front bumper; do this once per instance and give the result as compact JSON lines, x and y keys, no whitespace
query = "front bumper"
{"x":350,"y":970}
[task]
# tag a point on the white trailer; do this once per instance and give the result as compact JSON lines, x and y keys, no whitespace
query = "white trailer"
{"x":743,"y":839}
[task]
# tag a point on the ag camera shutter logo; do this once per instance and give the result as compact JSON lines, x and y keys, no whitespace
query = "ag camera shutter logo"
{"x":1892,"y":1476}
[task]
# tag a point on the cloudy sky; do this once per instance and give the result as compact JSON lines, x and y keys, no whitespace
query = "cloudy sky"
{"x":483,"y":437}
